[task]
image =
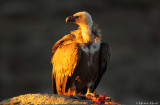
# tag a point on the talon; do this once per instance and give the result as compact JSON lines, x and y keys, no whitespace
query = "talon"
{"x":88,"y":94}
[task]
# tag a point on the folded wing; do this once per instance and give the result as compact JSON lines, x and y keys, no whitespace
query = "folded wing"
{"x":64,"y":61}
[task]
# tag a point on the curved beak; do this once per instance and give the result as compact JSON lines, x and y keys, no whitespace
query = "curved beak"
{"x":71,"y":19}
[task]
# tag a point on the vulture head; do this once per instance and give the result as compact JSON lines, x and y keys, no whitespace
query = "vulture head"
{"x":84,"y":20}
{"x":81,"y":18}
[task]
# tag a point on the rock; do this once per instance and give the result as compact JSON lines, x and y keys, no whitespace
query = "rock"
{"x":45,"y":99}
{"x":48,"y":99}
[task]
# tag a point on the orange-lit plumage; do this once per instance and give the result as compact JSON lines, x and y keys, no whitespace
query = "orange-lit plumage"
{"x":80,"y":59}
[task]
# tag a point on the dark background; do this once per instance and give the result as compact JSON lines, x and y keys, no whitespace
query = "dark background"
{"x":29,"y":29}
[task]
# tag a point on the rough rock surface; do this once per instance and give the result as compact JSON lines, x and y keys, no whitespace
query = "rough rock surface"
{"x":48,"y":99}
{"x":45,"y":99}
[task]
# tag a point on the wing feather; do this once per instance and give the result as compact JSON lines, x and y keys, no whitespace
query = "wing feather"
{"x":64,"y":61}
{"x":65,"y":40}
{"x":105,"y":53}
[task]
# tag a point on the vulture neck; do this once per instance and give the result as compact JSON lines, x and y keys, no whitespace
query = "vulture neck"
{"x":86,"y":33}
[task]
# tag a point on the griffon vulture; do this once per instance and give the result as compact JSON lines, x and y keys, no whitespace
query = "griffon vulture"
{"x":80,"y":59}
